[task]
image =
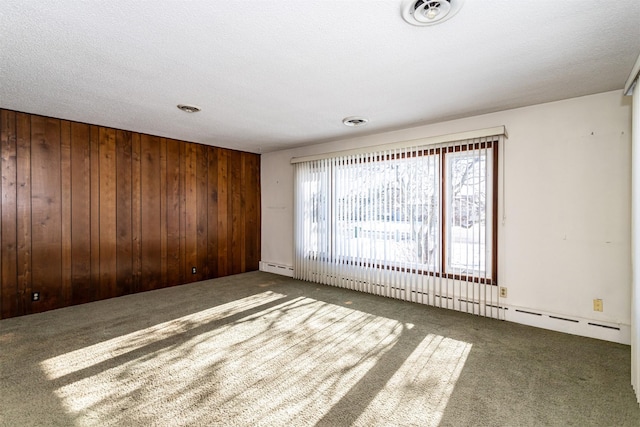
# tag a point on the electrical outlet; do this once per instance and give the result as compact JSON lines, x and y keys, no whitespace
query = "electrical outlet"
{"x":597,"y":305}
{"x":503,"y":292}
{"x":35,"y":296}
{"x":193,"y":270}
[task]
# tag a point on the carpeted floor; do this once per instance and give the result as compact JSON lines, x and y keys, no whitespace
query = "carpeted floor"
{"x":263,"y":350}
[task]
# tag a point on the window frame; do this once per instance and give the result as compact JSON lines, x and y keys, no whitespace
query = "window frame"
{"x":493,"y":237}
{"x":441,"y":265}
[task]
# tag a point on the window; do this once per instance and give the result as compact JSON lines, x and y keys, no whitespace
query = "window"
{"x":421,"y":210}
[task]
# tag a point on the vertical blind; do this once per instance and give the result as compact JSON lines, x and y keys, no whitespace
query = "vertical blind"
{"x":415,"y":223}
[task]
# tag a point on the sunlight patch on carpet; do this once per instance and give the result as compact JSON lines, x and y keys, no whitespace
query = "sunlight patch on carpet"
{"x":86,"y":357}
{"x":419,"y":391}
{"x":291,"y":363}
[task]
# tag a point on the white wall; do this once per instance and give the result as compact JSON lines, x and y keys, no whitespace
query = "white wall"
{"x":566,"y":238}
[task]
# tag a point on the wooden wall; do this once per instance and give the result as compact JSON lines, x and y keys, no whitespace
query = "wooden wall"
{"x":90,"y":212}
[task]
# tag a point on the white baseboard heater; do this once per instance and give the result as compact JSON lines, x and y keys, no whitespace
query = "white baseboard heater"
{"x":271,"y":267}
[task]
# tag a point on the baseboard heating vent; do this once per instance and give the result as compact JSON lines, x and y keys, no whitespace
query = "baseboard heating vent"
{"x":593,"y":328}
{"x":615,"y":328}
{"x":528,"y":312}
{"x":564,"y":318}
{"x":283,"y":270}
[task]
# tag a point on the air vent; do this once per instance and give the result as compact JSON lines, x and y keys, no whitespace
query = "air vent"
{"x":429,"y":12}
{"x":355,"y":121}
{"x":188,"y":108}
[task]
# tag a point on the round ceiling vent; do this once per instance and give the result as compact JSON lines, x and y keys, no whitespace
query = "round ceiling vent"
{"x":429,"y":12}
{"x":354,"y":121}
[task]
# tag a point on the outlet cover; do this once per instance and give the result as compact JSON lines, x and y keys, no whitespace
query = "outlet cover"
{"x":597,"y":305}
{"x":35,"y":296}
{"x":503,"y":292}
{"x":193,"y":270}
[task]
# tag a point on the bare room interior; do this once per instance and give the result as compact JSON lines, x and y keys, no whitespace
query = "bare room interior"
{"x":319,"y":213}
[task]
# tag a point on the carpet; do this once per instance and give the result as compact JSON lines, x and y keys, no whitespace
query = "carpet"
{"x":258,"y":349}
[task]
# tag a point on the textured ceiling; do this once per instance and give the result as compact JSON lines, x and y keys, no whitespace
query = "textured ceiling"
{"x":271,"y":74}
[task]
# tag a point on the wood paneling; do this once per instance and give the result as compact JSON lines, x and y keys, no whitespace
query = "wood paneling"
{"x":90,"y":212}
{"x":212,"y":211}
{"x":202,"y":229}
{"x":163,"y":212}
{"x":107,"y":165}
{"x":81,"y":291}
{"x":94,"y":216}
{"x":65,"y":207}
{"x":136,"y":211}
{"x":190,"y":210}
{"x":46,"y":213}
{"x":8,"y":230}
{"x":124,"y":236}
{"x":23,"y":162}
{"x":235,"y":213}
{"x":251,"y":187}
{"x":150,"y":212}
{"x":223,"y":213}
{"x":174,"y":273}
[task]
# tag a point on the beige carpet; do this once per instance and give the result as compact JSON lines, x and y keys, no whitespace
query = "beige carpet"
{"x":263,"y":350}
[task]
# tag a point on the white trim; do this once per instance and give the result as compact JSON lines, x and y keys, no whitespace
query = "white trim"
{"x":632,"y":80}
{"x":635,"y":239}
{"x":271,"y":267}
{"x":592,"y":328}
{"x":430,"y":140}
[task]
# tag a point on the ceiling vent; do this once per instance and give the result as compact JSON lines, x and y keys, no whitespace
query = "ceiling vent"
{"x":355,"y":121}
{"x":188,"y":108}
{"x":429,"y":12}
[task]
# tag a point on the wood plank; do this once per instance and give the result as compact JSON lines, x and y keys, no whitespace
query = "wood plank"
{"x":245,"y":181}
{"x":124,"y":237}
{"x":108,"y":213}
{"x":8,"y":229}
{"x":94,"y":161}
{"x":163,"y":213}
{"x":46,"y":213}
{"x":235,"y":212}
{"x":81,"y":214}
{"x":65,"y":210}
{"x":174,"y":272}
{"x":136,"y":211}
{"x":23,"y":169}
{"x":202,"y":204}
{"x":185,"y":276}
{"x":252,"y":229}
{"x":191,"y":211}
{"x":150,"y":208}
{"x":223,"y":211}
{"x":212,"y":211}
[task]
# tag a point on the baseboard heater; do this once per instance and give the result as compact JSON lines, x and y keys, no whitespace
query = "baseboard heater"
{"x":573,"y":325}
{"x":270,"y":267}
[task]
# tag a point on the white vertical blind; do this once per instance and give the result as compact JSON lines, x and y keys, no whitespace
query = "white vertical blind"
{"x":413,"y":223}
